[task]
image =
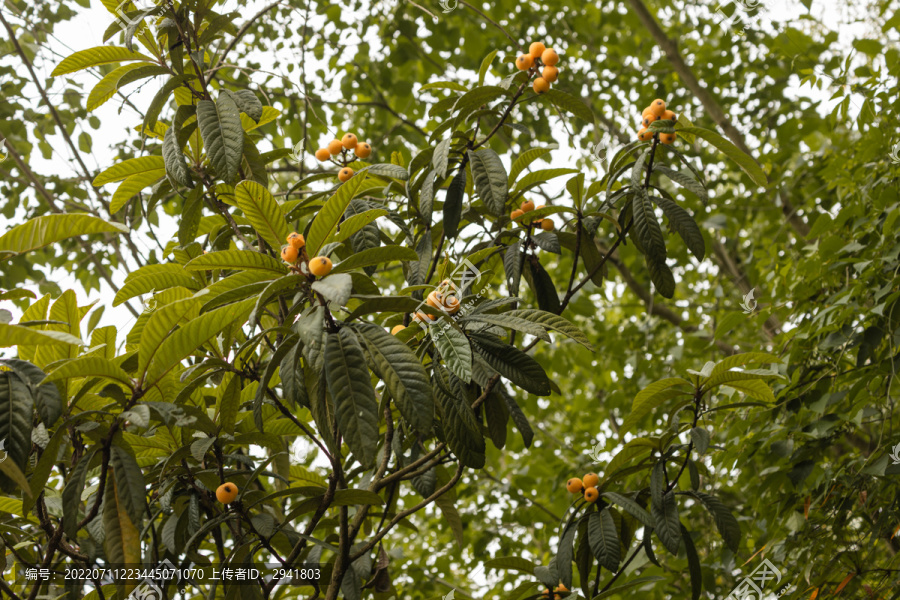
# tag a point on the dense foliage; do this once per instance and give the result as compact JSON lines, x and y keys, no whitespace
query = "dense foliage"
{"x":708,"y":324}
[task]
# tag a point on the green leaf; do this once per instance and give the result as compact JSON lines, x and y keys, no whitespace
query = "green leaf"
{"x":454,"y":348}
{"x":176,"y":165}
{"x":649,"y":398}
{"x":403,"y":374}
{"x":16,"y":410}
{"x":739,"y":360}
{"x":755,"y":388}
{"x":693,"y":564}
{"x":131,"y":186}
{"x":49,"y":229}
{"x":682,"y":222}
{"x":263,"y":212}
{"x":71,"y":496}
{"x":728,"y":526}
{"x":335,"y":288}
{"x":14,"y":335}
{"x":544,"y":289}
{"x":565,"y":554}
{"x":490,"y":179}
{"x":237,"y":259}
{"x":356,"y":408}
{"x":462,"y":430}
{"x":631,"y":507}
{"x":668,"y":525}
{"x":443,"y":85}
{"x":700,"y":437}
{"x":520,"y":368}
{"x":453,"y":203}
{"x":375,"y":256}
{"x":683,"y":180}
{"x":388,"y":170}
{"x":46,"y":396}
{"x":511,"y":563}
{"x":553,"y":323}
{"x":93,"y":57}
{"x":525,"y":159}
{"x":329,"y":216}
{"x":89,"y":366}
{"x":511,"y":322}
{"x":106,"y":88}
{"x":122,"y":540}
{"x":570,"y":104}
{"x":357,"y":222}
{"x":185,"y":340}
{"x":162,"y":278}
{"x":604,"y":539}
{"x":249,"y":104}
{"x":223,"y":135}
{"x":127,"y":168}
{"x":477,"y":97}
{"x":485,"y":65}
{"x":130,"y":484}
{"x":743,"y":160}
{"x":356,"y":498}
{"x":647,"y":228}
{"x":159,"y":325}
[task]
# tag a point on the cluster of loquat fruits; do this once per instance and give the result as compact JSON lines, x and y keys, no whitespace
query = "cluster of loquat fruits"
{"x":547,"y":224}
{"x":543,"y":60}
{"x":587,"y":486}
{"x":295,"y":250}
{"x":342,"y":148}
{"x":657,"y":111}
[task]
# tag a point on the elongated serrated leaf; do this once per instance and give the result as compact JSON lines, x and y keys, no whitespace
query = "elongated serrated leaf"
{"x":16,"y":414}
{"x":490,"y":179}
{"x":738,"y":360}
{"x":693,"y":564}
{"x":454,"y":348}
{"x":388,"y":170}
{"x":553,"y":323}
{"x":71,"y":496}
{"x":176,"y":165}
{"x":511,"y":563}
{"x":329,"y":216}
{"x":453,"y":203}
{"x":683,"y":180}
{"x":741,"y":159}
{"x":14,"y":335}
{"x":403,"y":375}
{"x":223,"y":135}
{"x":130,"y":483}
{"x":357,"y":222}
{"x":618,"y":590}
{"x":185,"y":340}
{"x":604,"y":539}
{"x":460,"y":425}
{"x":649,"y":398}
{"x":544,"y":288}
{"x":355,"y":406}
{"x":684,"y":225}
{"x":441,"y":157}
{"x":565,"y":554}
{"x":647,"y":228}
{"x":263,"y":212}
{"x":172,"y":276}
{"x":668,"y":525}
{"x":526,"y":158}
{"x":127,"y":168}
{"x":512,"y":363}
{"x":728,"y":526}
{"x":248,"y":103}
{"x":700,"y":437}
{"x":376,"y":256}
{"x":131,"y":186}
{"x":93,"y":57}
{"x":89,"y":366}
{"x":237,"y":259}
{"x":49,"y":229}
{"x":121,"y":540}
{"x":512,"y":322}
{"x":512,"y":265}
{"x":631,"y":507}
{"x":158,"y":326}
{"x":106,"y":88}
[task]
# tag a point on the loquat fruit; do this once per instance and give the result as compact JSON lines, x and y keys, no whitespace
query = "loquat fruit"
{"x":669,"y":116}
{"x":422,"y":317}
{"x":320,"y":266}
{"x":538,"y":221}
{"x":536,"y":49}
{"x":591,"y":494}
{"x":658,"y":107}
{"x":435,"y":299}
{"x":226,"y":493}
{"x":516,"y":214}
{"x":527,"y":206}
{"x":296,"y":240}
{"x":335,"y":147}
{"x":345,"y":174}
{"x":575,"y":485}
{"x":363,"y":150}
{"x":591,"y":480}
{"x":548,"y":224}
{"x":397,"y":329}
{"x":549,"y":57}
{"x":323,"y":154}
{"x":560,"y":588}
{"x":645,"y":135}
{"x":540,"y":86}
{"x":667,"y":138}
{"x":349,"y":141}
{"x":451,"y":305}
{"x":649,"y":118}
{"x":550,"y":74}
{"x":524,"y":62}
{"x":289,"y":254}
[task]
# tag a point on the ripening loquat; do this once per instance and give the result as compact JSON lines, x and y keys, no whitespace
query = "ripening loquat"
{"x":323,"y":154}
{"x":658,"y":107}
{"x":524,"y":62}
{"x":540,"y":86}
{"x":320,"y":266}
{"x":667,"y":138}
{"x":549,"y":57}
{"x":296,"y":240}
{"x":349,"y":141}
{"x":345,"y":174}
{"x":591,"y":494}
{"x":550,"y":74}
{"x":536,"y":49}
{"x":335,"y":147}
{"x":548,"y":224}
{"x":289,"y":254}
{"x":226,"y":493}
{"x":397,"y":329}
{"x":363,"y":150}
{"x":575,"y":485}
{"x":516,"y":214}
{"x":645,"y":135}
